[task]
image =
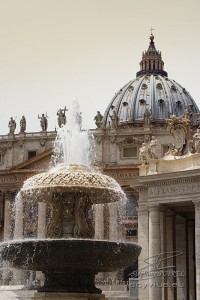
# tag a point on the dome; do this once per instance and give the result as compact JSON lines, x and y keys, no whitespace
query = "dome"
{"x":151,"y":91}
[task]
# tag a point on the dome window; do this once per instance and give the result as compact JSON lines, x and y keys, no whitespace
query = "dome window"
{"x":144,"y":86}
{"x":125,"y":103}
{"x":159,"y":86}
{"x":173,"y":88}
{"x":178,"y":103}
{"x":142,"y":101}
{"x":131,"y":88}
{"x":184,"y":91}
{"x":161,"y":101}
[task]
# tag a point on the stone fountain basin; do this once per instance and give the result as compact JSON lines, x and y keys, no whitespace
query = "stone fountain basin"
{"x":68,"y":179}
{"x":64,"y":254}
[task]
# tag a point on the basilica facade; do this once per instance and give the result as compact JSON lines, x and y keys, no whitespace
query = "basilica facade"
{"x":148,"y":139}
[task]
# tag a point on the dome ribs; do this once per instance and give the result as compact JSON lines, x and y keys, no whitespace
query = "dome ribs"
{"x":152,"y":90}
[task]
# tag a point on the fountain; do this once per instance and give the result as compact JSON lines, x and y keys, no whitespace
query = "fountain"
{"x":69,"y":256}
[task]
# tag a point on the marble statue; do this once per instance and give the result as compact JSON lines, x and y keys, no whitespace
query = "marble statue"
{"x":23,"y":124}
{"x":62,"y":117}
{"x":196,"y":139}
{"x":143,"y":154}
{"x":147,"y":116}
{"x":12,"y":125}
{"x":172,"y":151}
{"x":114,"y":119}
{"x":43,"y":122}
{"x":187,"y":113}
{"x":151,"y":148}
{"x":98,"y":119}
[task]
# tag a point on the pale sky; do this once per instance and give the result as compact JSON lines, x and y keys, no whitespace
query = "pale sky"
{"x":52,"y":51}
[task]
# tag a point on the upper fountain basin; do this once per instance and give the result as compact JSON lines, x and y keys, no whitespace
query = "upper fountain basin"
{"x":72,"y":179}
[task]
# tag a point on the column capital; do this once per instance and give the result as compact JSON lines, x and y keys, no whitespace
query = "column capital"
{"x":154,"y":207}
{"x":142,"y":209}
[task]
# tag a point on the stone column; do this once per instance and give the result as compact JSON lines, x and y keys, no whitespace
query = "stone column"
{"x":163,"y":249}
{"x":7,"y":216}
{"x":170,"y":250}
{"x":113,"y":222}
{"x":197,"y":248}
{"x":7,"y":272}
{"x":181,"y":259}
{"x":41,"y":229}
{"x":19,"y":276}
{"x":18,"y":230}
{"x":143,"y":240}
{"x":41,"y":233}
{"x":99,"y":222}
{"x":155,"y":291}
{"x":191,"y":260}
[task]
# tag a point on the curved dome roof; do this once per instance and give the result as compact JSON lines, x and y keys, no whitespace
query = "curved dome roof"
{"x":152,"y":90}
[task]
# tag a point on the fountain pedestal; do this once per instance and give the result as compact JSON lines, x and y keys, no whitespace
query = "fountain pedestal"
{"x":68,"y":296}
{"x":71,"y":281}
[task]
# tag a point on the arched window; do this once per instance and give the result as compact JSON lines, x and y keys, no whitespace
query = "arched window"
{"x":173,"y":88}
{"x":144,"y":86}
{"x":159,"y":86}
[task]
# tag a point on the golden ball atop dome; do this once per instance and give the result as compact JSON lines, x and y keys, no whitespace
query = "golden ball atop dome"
{"x":151,"y":37}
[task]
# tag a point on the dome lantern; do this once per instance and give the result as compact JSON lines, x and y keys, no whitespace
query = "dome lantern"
{"x":151,"y":62}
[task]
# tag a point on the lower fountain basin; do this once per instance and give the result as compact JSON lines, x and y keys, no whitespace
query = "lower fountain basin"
{"x":69,"y":265}
{"x":63,"y":254}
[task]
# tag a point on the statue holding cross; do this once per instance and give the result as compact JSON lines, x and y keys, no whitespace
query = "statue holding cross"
{"x":62,"y":117}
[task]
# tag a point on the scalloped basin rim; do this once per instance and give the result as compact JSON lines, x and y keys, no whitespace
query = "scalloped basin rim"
{"x":99,"y":195}
{"x":65,"y":254}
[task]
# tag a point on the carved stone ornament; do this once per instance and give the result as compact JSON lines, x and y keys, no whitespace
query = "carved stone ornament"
{"x":179,"y":127}
{"x":71,"y":218}
{"x":98,"y":139}
{"x":112,"y":139}
{"x":9,"y":145}
{"x":42,"y":143}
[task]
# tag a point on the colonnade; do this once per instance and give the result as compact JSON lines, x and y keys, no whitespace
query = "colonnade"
{"x":169,"y":265}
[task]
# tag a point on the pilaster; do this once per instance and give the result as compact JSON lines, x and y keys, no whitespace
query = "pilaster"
{"x":143,"y":240}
